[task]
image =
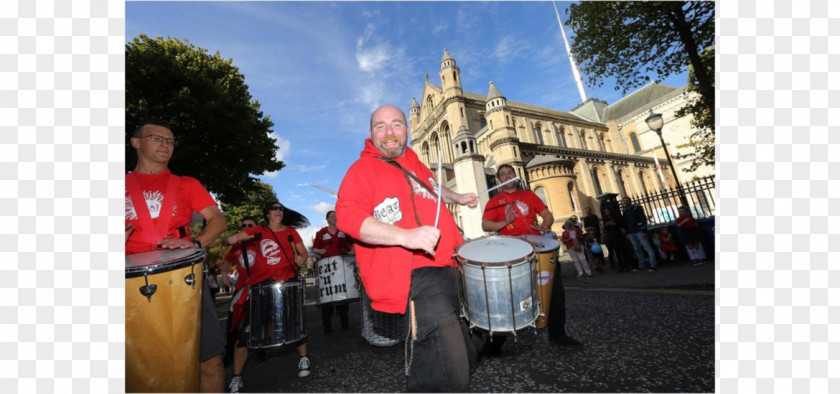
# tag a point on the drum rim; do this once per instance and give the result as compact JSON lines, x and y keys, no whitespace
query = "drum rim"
{"x":529,"y":256}
{"x":271,"y":283}
{"x":154,"y":269}
{"x":540,"y":251}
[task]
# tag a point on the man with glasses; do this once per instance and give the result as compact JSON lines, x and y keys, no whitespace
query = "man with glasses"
{"x":388,"y":202}
{"x":155,"y":196}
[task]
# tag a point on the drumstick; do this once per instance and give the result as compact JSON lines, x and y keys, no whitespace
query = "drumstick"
{"x":516,"y":178}
{"x":440,"y":186}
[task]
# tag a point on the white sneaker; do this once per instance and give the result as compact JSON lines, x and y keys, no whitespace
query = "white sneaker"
{"x":303,"y":367}
{"x":235,"y":384}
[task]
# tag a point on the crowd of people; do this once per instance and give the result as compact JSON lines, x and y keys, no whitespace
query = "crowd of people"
{"x":393,"y":216}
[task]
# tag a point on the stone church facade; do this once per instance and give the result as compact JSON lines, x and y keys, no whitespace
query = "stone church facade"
{"x":566,"y":158}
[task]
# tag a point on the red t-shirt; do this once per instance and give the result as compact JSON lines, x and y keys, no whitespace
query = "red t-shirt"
{"x":273,"y":261}
{"x":191,"y":196}
{"x":689,"y":222}
{"x":567,"y":239}
{"x":526,"y":206}
{"x":335,"y":244}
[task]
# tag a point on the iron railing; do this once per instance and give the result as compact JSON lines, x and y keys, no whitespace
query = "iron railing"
{"x":661,"y":207}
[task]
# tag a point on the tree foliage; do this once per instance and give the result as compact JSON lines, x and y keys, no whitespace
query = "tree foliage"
{"x":628,"y":40}
{"x":223,"y":135}
{"x":702,"y":141}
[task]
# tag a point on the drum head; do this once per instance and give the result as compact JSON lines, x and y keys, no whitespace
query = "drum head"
{"x":163,"y":260}
{"x":543,"y":244}
{"x":495,"y":249}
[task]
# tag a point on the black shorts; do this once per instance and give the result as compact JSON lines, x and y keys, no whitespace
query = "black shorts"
{"x":212,"y":335}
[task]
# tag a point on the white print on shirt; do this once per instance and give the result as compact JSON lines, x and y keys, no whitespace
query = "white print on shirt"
{"x":251,"y":257}
{"x":271,"y":251}
{"x":522,"y":207}
{"x":419,"y":189}
{"x":327,"y":236}
{"x":388,"y":211}
{"x":341,"y":235}
{"x":154,"y":200}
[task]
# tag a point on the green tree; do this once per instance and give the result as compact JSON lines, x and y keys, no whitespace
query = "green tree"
{"x":628,"y":40}
{"x":223,"y":136}
{"x":702,"y":141}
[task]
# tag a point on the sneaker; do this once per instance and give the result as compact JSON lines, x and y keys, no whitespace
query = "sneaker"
{"x":303,"y":367}
{"x":580,"y":275}
{"x":651,"y":269}
{"x":235,"y":384}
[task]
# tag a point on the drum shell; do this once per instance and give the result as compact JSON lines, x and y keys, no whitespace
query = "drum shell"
{"x":337,"y":281}
{"x":163,"y":332}
{"x":545,"y":269}
{"x":380,"y":328}
{"x":275,"y":314}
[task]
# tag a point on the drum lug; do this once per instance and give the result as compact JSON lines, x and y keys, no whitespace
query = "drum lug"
{"x":148,"y":290}
{"x":190,"y":280}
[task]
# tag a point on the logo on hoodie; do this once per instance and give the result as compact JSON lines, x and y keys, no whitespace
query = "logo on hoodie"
{"x":388,"y":211}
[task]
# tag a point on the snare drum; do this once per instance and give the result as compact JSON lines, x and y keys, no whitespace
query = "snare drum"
{"x":337,"y":282}
{"x":498,"y":286}
{"x":163,"y":320}
{"x":275,"y":314}
{"x":546,"y":263}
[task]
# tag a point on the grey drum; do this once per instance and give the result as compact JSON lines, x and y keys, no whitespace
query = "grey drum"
{"x":499,"y":293}
{"x":275,"y":314}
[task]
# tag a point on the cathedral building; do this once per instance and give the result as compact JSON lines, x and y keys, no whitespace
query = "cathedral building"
{"x":566,"y":158}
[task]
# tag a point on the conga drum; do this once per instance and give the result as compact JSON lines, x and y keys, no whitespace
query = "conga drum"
{"x":163,"y":320}
{"x":546,"y":263}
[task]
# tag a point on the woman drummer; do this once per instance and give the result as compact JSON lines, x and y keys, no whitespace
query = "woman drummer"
{"x":278,"y":257}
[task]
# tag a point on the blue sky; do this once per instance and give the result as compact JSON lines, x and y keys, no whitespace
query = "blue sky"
{"x":320,"y":68}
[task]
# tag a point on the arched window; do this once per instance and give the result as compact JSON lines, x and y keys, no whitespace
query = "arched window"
{"x":430,"y":105}
{"x":571,"y":187}
{"x":596,"y":181}
{"x":562,"y":133}
{"x":540,"y":192}
{"x":482,"y":122}
{"x":635,"y":141}
{"x":435,"y":146}
{"x":583,"y":138}
{"x":538,"y":131}
{"x":621,"y":187}
{"x":426,"y":152}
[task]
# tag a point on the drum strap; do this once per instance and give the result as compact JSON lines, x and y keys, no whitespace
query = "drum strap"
{"x":408,"y":177}
{"x":245,"y":258}
{"x":294,"y":266}
{"x":152,"y":233}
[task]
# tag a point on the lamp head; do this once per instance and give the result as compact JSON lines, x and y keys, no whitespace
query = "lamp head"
{"x":654,"y":121}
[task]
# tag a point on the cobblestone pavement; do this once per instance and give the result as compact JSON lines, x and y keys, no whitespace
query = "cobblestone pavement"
{"x":642,"y":332}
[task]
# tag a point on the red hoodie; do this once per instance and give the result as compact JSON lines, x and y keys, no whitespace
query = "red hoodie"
{"x":375,"y":188}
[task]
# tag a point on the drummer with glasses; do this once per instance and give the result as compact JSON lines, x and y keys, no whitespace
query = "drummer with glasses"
{"x":279,"y":251}
{"x":514,"y":212}
{"x":152,"y":195}
{"x":329,"y":242}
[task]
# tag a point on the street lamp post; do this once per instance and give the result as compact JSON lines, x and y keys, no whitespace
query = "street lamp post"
{"x":654,"y":121}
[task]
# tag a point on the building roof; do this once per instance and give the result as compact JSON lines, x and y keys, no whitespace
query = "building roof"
{"x":641,"y":98}
{"x":493,"y":92}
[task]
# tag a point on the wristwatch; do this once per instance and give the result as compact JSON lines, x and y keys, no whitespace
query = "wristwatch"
{"x":197,"y":243}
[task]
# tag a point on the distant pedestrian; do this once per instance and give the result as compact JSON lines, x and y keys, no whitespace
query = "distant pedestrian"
{"x":614,"y":239}
{"x":691,"y":236}
{"x":592,"y":220}
{"x":635,"y":221}
{"x":572,"y":237}
{"x":594,"y":252}
{"x":667,"y":245}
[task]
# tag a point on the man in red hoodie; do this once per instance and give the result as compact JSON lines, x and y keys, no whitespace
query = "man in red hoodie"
{"x":388,"y":202}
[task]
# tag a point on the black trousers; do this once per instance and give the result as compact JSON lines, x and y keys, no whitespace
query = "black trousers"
{"x":557,"y":315}
{"x":327,"y":311}
{"x":443,"y":351}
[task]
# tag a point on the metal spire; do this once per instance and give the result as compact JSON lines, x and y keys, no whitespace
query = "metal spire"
{"x":575,"y":71}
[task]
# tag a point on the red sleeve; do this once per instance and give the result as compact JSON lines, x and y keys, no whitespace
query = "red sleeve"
{"x":318,"y":242}
{"x":354,"y":203}
{"x":536,"y":203}
{"x":231,"y":255}
{"x":297,"y":238}
{"x":200,"y":198}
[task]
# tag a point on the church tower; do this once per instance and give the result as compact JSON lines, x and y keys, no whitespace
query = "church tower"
{"x":503,"y":140}
{"x":469,"y":171}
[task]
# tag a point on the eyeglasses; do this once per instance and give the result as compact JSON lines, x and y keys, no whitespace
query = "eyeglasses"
{"x":160,"y":138}
{"x":276,"y":208}
{"x":249,"y":225}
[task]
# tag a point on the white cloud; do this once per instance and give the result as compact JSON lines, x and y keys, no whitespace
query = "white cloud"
{"x":321,"y":207}
{"x":308,"y":168}
{"x":509,"y":49}
{"x":283,"y":149}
